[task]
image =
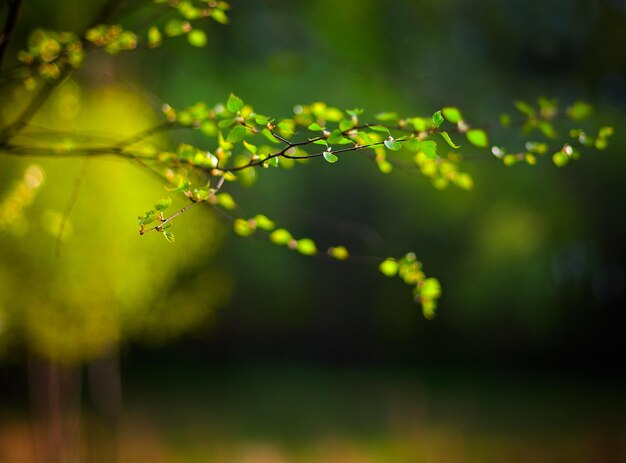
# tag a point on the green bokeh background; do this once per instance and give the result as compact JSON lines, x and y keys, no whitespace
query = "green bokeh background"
{"x":531,"y":261}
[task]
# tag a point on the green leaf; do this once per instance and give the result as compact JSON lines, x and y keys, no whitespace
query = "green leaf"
{"x":579,"y":110}
{"x":437,"y":119}
{"x":175,"y":27}
{"x":509,"y":159}
{"x":169,"y":236}
{"x":431,"y":288}
{"x":547,"y":129}
{"x":306,"y":247}
{"x":330,"y":157}
{"x":560,"y":159}
{"x":448,"y":140}
{"x":154,"y":37}
{"x":224,"y":123}
{"x":505,"y":120}
{"x":261,"y":120}
{"x":234,"y":103}
{"x":263,"y":223}
{"x":463,"y":181}
{"x":345,"y":125}
{"x":384,"y":166}
{"x":197,"y":38}
{"x":226,"y":201}
{"x":338,"y":252}
{"x":315,"y":127}
{"x":379,"y":128}
{"x":418,"y":123}
{"x":389,"y":267}
{"x":163,"y":204}
{"x":183,"y":185}
{"x":280,"y":237}
{"x":335,"y":137}
{"x":250,"y":147}
{"x":452,"y":114}
{"x":270,"y":136}
{"x":477,"y":137}
{"x":387,"y":117}
{"x":242,"y":227}
{"x":392,"y":144}
{"x":219,"y":16}
{"x":429,"y":148}
{"x":236,"y":134}
{"x":524,"y":108}
{"x":354,"y":112}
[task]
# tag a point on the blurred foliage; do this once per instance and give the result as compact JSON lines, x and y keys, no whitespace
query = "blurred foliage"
{"x":497,"y":249}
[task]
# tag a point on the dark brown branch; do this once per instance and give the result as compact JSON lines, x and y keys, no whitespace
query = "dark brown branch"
{"x":42,"y":96}
{"x":9,"y":27}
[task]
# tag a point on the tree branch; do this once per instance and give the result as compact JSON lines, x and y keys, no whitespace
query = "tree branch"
{"x":9,"y":27}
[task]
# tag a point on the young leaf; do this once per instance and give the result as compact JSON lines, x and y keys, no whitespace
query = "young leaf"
{"x":330,"y":157}
{"x":452,"y":114}
{"x":154,"y":37}
{"x":338,"y":252}
{"x":579,"y":110}
{"x":477,"y":137}
{"x":437,"y":119}
{"x":392,"y":144}
{"x":306,"y":247}
{"x":263,"y":223}
{"x":236,"y":134}
{"x":387,"y":117}
{"x":169,"y":236}
{"x":163,"y":204}
{"x":243,"y":227}
{"x":197,"y":38}
{"x":280,"y":237}
{"x":448,"y":140}
{"x":429,"y":148}
{"x":388,"y":267}
{"x":524,"y":108}
{"x":226,"y":201}
{"x":315,"y":127}
{"x":234,"y":103}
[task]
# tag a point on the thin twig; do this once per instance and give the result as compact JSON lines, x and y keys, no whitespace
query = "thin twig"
{"x":70,"y":205}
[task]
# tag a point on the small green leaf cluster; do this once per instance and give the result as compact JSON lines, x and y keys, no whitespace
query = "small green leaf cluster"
{"x":542,"y":118}
{"x":188,"y":11}
{"x":426,"y":291}
{"x":157,"y":215}
{"x":112,"y":38}
{"x":47,"y":54}
{"x":241,"y":139}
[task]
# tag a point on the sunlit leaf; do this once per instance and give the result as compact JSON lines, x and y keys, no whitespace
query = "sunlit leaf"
{"x":197,"y":38}
{"x":452,"y":114}
{"x":330,"y":157}
{"x":163,"y":204}
{"x":437,"y":119}
{"x":236,"y":134}
{"x":388,"y":267}
{"x":242,"y":227}
{"x":226,"y":201}
{"x":448,"y":140}
{"x":234,"y":103}
{"x":393,"y":145}
{"x":387,"y":117}
{"x":280,"y":237}
{"x":477,"y":137}
{"x":338,"y":252}
{"x":306,"y":247}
